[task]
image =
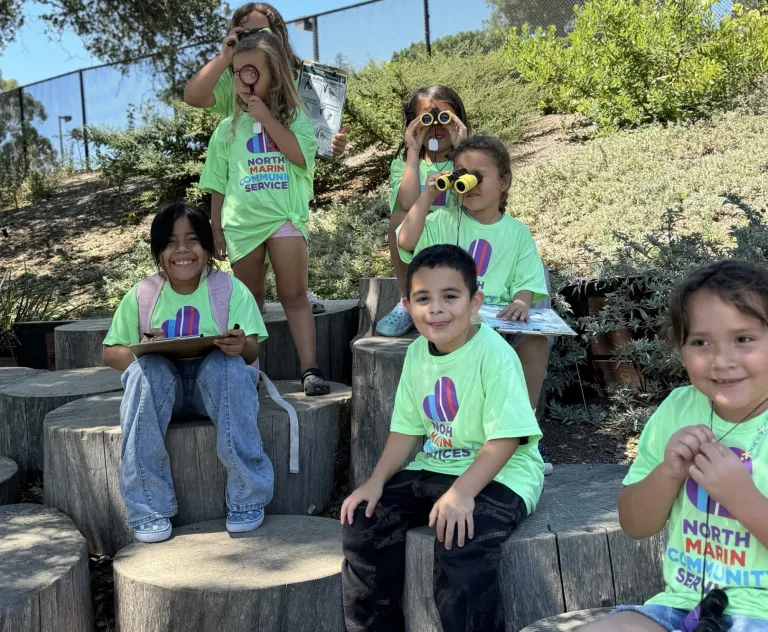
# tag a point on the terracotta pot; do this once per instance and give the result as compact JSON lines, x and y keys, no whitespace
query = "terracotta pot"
{"x":621,"y":373}
{"x":605,"y":343}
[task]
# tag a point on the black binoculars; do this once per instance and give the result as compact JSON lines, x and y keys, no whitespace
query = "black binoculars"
{"x":435,"y":116}
{"x":248,"y":32}
{"x":710,"y":612}
{"x":461,"y":180}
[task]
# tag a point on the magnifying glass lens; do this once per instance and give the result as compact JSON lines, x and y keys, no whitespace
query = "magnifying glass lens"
{"x":249,"y":75}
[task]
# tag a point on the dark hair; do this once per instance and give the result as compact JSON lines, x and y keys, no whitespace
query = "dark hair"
{"x":433,"y":93}
{"x":276,"y":23}
{"x":444,"y":256}
{"x":162,"y":228}
{"x":743,"y":284}
{"x":494,"y":148}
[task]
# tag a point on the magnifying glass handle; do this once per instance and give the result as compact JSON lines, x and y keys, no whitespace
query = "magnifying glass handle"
{"x":251,"y":87}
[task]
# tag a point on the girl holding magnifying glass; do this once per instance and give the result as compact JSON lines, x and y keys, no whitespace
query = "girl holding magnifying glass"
{"x":259,"y":171}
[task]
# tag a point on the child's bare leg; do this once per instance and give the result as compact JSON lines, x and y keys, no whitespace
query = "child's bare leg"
{"x":623,"y":622}
{"x":251,"y":270}
{"x":401,"y":268}
{"x":289,"y":261}
{"x":533,"y":353}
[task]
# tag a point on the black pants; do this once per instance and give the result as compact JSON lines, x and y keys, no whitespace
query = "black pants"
{"x":466,"y":585}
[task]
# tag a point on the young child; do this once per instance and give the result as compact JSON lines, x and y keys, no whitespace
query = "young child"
{"x":426,"y":149}
{"x":479,"y":475}
{"x":213,"y":87}
{"x":700,"y":458}
{"x":509,"y":268}
{"x":178,"y":302}
{"x":259,"y":172}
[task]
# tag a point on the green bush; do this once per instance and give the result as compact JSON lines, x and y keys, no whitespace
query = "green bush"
{"x":628,"y":62}
{"x":461,"y":44}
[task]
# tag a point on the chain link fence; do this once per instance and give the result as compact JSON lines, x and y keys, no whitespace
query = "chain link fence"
{"x":52,"y":115}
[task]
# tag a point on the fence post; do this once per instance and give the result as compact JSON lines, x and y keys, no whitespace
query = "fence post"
{"x":427,"y":41}
{"x":23,"y":130}
{"x":85,"y":121}
{"x":315,"y":40}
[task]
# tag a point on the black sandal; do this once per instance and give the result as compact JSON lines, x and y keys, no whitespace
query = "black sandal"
{"x":313,"y":382}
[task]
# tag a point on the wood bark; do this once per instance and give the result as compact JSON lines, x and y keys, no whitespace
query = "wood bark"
{"x":44,"y":583}
{"x":569,"y":555}
{"x":25,"y":402}
{"x":78,"y":345}
{"x":82,"y":462}
{"x":283,"y":577}
{"x":9,"y":481}
{"x":377,"y":298}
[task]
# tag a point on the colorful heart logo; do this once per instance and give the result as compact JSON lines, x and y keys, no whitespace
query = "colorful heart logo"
{"x":698,"y":495}
{"x":481,"y":251}
{"x":186,"y":323}
{"x":261,"y":144}
{"x":444,"y":404}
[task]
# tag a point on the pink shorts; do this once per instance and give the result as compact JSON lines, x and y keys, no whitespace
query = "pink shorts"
{"x":287,"y":230}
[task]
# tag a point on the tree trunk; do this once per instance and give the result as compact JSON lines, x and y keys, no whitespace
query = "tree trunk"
{"x":9,"y":481}
{"x":377,"y":298}
{"x":78,"y":345}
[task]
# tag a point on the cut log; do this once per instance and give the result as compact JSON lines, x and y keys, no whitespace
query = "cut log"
{"x":571,"y":554}
{"x":25,"y":402}
{"x":377,"y":298}
{"x":44,"y":583}
{"x":283,"y":577}
{"x":82,"y":462}
{"x":78,"y":345}
{"x":569,"y":621}
{"x":9,"y":481}
{"x":9,"y":374}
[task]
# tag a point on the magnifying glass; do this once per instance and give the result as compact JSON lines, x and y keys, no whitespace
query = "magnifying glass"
{"x":249,"y":76}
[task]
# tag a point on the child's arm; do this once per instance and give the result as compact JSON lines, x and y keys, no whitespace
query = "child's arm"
{"x":199,"y":89}
{"x":644,"y":506}
{"x":413,"y":224}
{"x":398,"y":447}
{"x":518,"y":308}
{"x":235,"y":343}
{"x":117,"y":356}
{"x":454,"y":509}
{"x":284,"y":138}
{"x":410,"y":185}
{"x":219,"y":243}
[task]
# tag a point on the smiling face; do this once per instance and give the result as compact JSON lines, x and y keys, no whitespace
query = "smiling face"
{"x":442,"y":308}
{"x":726,"y":355}
{"x":438,"y":131}
{"x":184,"y":258}
{"x":486,"y":195}
{"x":257,"y":59}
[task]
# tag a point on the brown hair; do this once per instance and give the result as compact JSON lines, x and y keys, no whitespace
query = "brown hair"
{"x":742,"y":284}
{"x":283,"y":99}
{"x":276,"y":23}
{"x":494,"y":148}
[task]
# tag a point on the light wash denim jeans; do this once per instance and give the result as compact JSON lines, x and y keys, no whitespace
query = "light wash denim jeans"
{"x":219,"y":386}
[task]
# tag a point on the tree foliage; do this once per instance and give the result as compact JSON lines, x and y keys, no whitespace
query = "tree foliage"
{"x":545,"y":13}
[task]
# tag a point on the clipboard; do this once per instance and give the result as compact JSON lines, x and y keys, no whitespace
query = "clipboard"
{"x":184,"y":348}
{"x":544,"y":322}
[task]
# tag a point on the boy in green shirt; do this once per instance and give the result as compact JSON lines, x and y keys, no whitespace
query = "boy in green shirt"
{"x":479,"y":474}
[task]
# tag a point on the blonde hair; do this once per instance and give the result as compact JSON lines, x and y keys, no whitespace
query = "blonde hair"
{"x":276,"y":23}
{"x":283,"y":98}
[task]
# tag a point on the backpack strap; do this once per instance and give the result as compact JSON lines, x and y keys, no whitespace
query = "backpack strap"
{"x":219,"y":293}
{"x":147,"y":293}
{"x":293,"y":423}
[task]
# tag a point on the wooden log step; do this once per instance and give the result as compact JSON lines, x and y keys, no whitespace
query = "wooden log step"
{"x":283,"y":577}
{"x":25,"y":402}
{"x":9,"y":481}
{"x":569,"y":621}
{"x":78,"y":344}
{"x":82,"y":462}
{"x":44,"y":582}
{"x":571,"y":554}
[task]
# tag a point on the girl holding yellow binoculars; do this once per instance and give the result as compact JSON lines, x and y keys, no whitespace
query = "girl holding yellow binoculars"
{"x":435,"y":124}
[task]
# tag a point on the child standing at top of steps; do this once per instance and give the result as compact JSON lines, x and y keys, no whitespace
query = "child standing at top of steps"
{"x":259,"y":171}
{"x":699,"y":467}
{"x":188,"y":298}
{"x":479,"y":474}
{"x":435,"y":123}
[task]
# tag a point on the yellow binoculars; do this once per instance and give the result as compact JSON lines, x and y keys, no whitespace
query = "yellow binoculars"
{"x":461,"y":180}
{"x":435,"y":116}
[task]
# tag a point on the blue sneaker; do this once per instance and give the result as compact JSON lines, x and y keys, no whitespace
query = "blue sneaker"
{"x":544,"y":451}
{"x":241,"y":521}
{"x":155,"y":531}
{"x":397,"y":323}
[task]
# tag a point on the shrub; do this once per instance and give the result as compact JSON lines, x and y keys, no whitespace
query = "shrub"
{"x":629,"y":62}
{"x":20,"y":301}
{"x":461,"y":44}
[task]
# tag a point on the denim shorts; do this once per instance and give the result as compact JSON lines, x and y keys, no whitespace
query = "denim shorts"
{"x":671,"y":619}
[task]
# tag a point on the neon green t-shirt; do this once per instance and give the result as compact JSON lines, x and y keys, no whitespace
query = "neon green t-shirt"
{"x":185,"y":314}
{"x":446,"y":199}
{"x":736,"y":561}
{"x":505,"y":254}
{"x":262,"y":189}
{"x":463,"y":399}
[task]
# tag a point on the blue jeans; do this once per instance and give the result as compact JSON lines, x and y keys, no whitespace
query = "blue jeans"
{"x":219,"y":386}
{"x":671,"y":619}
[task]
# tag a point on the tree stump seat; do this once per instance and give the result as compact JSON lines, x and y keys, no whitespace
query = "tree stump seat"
{"x":44,"y":580}
{"x":283,"y":577}
{"x":569,"y":621}
{"x":571,"y":554}
{"x":9,"y":481}
{"x":82,"y":461}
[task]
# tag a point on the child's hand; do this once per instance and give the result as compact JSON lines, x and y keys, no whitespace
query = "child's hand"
{"x":232,"y":343}
{"x":228,"y":43}
{"x":258,"y":109}
{"x":684,"y":446}
{"x":414,"y":136}
{"x":516,"y":310}
{"x":339,"y":142}
{"x":456,"y":130}
{"x":154,"y":334}
{"x":721,"y":473}
{"x":452,"y":513}
{"x":430,"y":190}
{"x":369,"y":492}
{"x":219,"y":244}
